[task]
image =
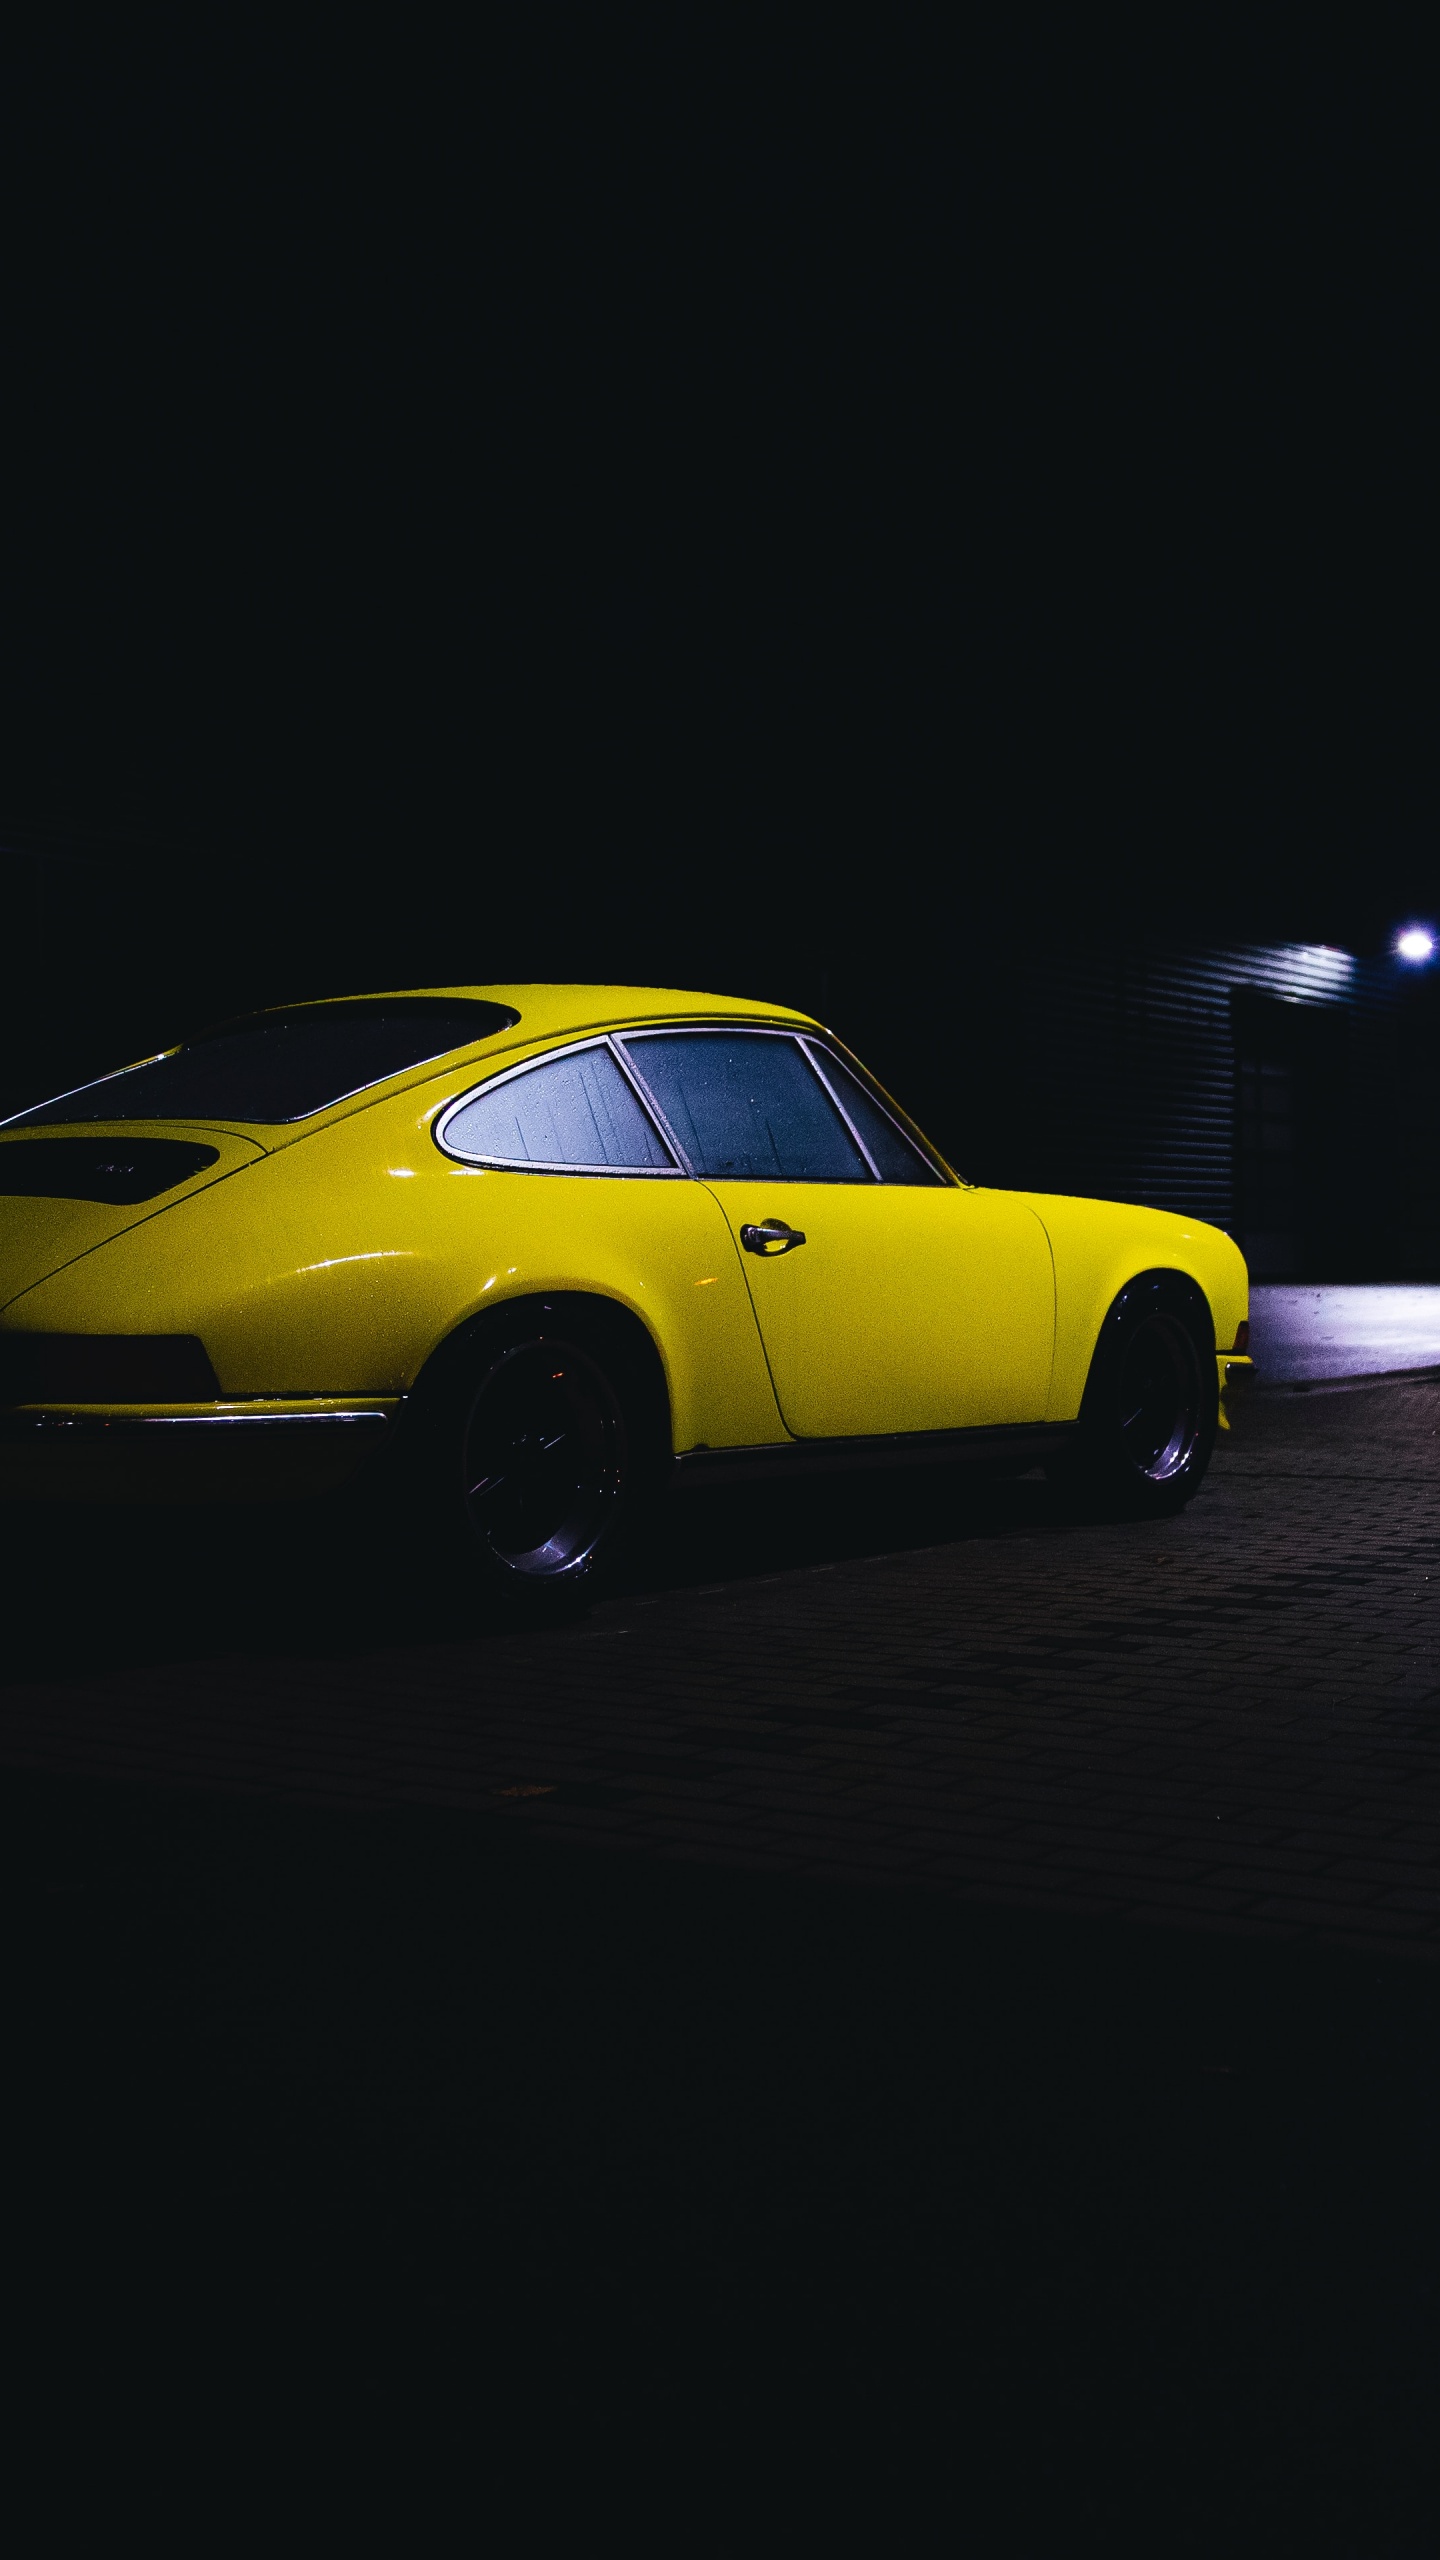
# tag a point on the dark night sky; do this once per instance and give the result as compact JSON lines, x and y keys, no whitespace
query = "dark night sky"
{"x":652,"y":464}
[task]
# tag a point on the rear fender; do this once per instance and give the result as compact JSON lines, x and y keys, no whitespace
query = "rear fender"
{"x":343,"y":1262}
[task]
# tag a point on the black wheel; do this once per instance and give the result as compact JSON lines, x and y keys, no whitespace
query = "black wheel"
{"x":542,"y":1462}
{"x":537,"y":1447}
{"x":1147,"y":1425}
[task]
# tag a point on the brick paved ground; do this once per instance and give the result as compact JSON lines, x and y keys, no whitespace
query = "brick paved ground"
{"x":901,"y":2032}
{"x":1231,"y":1722}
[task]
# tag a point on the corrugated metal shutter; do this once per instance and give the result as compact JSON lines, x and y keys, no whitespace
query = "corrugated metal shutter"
{"x":1113,"y":1072}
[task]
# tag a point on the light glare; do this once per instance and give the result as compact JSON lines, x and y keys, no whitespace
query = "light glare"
{"x":1415,"y":943}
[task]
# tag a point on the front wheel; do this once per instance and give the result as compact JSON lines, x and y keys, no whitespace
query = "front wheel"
{"x":1148,"y":1421}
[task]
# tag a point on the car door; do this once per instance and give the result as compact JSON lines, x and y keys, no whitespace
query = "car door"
{"x":889,"y":1297}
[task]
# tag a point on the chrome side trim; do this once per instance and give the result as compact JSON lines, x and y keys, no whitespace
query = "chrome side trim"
{"x":978,"y":1446}
{"x":256,"y":1421}
{"x":22,"y":1423}
{"x":512,"y":1164}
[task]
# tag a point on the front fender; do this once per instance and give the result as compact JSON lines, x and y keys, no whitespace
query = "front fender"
{"x":1098,"y":1246}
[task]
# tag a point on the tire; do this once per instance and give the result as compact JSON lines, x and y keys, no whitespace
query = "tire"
{"x":541,"y":1450}
{"x":1151,"y":1406}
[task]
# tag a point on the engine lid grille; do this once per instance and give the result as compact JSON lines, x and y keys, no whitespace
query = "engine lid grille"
{"x":105,"y":1368}
{"x":119,"y":1171}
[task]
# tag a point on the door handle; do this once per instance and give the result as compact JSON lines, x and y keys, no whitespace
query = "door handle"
{"x":771,"y":1238}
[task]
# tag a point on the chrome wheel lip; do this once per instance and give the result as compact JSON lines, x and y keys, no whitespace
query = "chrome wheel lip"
{"x":1172,"y":1454}
{"x":568,"y":1544}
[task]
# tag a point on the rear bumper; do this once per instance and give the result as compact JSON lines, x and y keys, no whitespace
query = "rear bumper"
{"x":233,"y":1453}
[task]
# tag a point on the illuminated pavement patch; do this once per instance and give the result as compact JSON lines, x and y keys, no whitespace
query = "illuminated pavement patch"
{"x":1339,"y":1331}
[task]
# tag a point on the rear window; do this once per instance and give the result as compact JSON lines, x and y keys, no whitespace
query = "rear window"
{"x":284,"y":1065}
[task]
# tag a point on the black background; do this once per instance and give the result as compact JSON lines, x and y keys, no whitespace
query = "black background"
{"x":756,"y":504}
{"x":802,"y":511}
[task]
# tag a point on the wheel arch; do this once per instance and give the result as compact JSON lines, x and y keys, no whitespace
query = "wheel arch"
{"x":602,"y":1322}
{"x":1101,"y":1248}
{"x":1162,"y":1285}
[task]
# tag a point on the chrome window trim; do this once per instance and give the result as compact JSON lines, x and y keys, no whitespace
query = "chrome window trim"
{"x":814,"y":1047}
{"x":616,"y":1040}
{"x":71,"y":1092}
{"x":852,"y":1067}
{"x":809,"y":1043}
{"x":809,"y":1048}
{"x":764,"y":1031}
{"x":678,"y":1172}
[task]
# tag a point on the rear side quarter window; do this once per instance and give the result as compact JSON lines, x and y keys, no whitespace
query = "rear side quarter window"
{"x":577,"y":1113}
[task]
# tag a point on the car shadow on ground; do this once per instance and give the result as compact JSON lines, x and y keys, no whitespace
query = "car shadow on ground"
{"x":92,"y":1588}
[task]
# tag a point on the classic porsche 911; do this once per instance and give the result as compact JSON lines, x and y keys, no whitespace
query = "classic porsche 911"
{"x":511,"y":1257}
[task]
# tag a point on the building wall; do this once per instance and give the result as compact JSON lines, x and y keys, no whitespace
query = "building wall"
{"x":1130,"y":1072}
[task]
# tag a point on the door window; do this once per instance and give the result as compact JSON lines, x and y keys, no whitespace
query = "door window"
{"x":747,"y":1106}
{"x":894,"y":1156}
{"x":573,"y":1114}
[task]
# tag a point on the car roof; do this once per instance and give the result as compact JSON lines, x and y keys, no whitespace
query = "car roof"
{"x":547,"y":1009}
{"x":533,"y":1015}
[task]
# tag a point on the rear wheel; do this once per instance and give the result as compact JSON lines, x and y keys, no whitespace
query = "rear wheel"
{"x":540,"y":1449}
{"x":542,"y":1462}
{"x":1147,"y":1425}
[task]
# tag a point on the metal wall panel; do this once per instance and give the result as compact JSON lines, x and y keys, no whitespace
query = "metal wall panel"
{"x":1112,"y":1071}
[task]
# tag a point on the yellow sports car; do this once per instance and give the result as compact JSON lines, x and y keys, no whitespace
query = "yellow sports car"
{"x":520,"y":1254}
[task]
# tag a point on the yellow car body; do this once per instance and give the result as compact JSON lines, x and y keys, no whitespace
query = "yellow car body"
{"x":321,"y":1262}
